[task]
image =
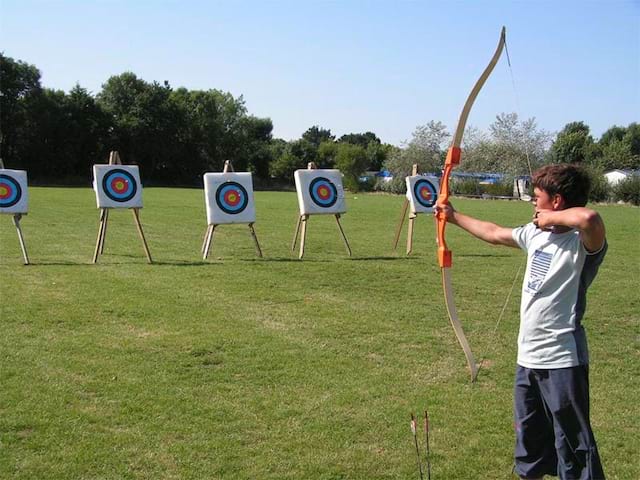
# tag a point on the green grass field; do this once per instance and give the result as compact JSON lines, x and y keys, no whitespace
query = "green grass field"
{"x":275,"y":368}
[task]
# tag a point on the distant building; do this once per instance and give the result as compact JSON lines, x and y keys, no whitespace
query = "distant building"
{"x":616,"y":176}
{"x":521,"y":187}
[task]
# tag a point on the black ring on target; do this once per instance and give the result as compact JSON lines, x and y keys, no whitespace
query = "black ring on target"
{"x":425,"y":193}
{"x":232,"y":198}
{"x":323,"y":192}
{"x":11,"y":191}
{"x":119,"y":185}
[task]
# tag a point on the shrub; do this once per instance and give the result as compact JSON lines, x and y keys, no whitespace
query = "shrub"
{"x":466,"y":187}
{"x":628,"y":190}
{"x":600,"y":188}
{"x":395,"y":185}
{"x":366,"y":183}
{"x":501,"y":189}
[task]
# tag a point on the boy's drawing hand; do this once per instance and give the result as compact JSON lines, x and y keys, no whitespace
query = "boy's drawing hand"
{"x":542,"y":219}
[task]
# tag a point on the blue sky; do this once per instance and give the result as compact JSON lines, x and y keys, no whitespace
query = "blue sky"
{"x":350,"y":66}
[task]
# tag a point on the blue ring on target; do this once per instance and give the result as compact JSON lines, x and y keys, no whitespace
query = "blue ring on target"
{"x":12,"y":191}
{"x":425,"y":193}
{"x":323,"y":192}
{"x":119,"y":185}
{"x":232,"y":198}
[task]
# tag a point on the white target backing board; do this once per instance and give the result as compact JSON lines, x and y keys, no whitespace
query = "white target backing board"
{"x":117,"y":186}
{"x":320,"y":192}
{"x":229,"y":198}
{"x":422,"y":193}
{"x":14,"y":195}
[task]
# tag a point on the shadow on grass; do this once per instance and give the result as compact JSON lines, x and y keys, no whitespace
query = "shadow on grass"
{"x":484,"y":255}
{"x":382,"y":258}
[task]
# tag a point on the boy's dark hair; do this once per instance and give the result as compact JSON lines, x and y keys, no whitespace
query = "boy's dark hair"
{"x":570,"y":181}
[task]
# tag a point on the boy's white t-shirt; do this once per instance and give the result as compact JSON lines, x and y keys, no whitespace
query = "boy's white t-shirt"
{"x":559,"y":271}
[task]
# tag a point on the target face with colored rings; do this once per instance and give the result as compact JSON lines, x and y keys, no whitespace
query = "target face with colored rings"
{"x":319,"y":191}
{"x":10,"y":191}
{"x":228,"y":197}
{"x":323,"y":192}
{"x":14,"y":192}
{"x":119,"y":185}
{"x":232,"y":198}
{"x":425,"y":193}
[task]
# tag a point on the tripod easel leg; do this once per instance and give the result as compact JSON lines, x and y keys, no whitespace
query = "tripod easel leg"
{"x":23,"y":247}
{"x":255,"y":239}
{"x":412,"y":219}
{"x":295,"y":235}
{"x":204,"y":240}
{"x":141,"y":233}
{"x":303,"y":234}
{"x":403,"y":215}
{"x":344,"y":237}
{"x":104,"y":230}
{"x":208,"y":240}
{"x":100,"y":239}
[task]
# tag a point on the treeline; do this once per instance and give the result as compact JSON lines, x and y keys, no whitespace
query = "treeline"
{"x":514,"y":148}
{"x":175,"y":135}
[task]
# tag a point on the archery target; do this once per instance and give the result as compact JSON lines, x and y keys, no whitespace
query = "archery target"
{"x":422,"y":193}
{"x":320,"y":192}
{"x":13,"y":191}
{"x":229,"y":198}
{"x":117,"y":186}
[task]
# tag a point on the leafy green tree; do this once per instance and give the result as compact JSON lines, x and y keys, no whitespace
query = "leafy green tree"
{"x":254,"y":139}
{"x":304,"y":150}
{"x":63,"y":135}
{"x":619,"y":147}
{"x":327,"y":153}
{"x":362,"y":139}
{"x":86,"y":132}
{"x":574,"y":144}
{"x":376,"y":152}
{"x":41,"y":139}
{"x":614,"y":133}
{"x":283,"y":166}
{"x":352,"y":161}
{"x":628,"y":190}
{"x":316,"y":135}
{"x":19,"y":82}
{"x":146,"y":126}
{"x":617,"y":154}
{"x":510,"y":148}
{"x":632,"y":137}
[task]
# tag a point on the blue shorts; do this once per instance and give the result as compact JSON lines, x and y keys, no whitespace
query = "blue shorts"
{"x":553,"y":433}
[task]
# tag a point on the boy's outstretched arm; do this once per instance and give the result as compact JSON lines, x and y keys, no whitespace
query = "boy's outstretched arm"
{"x":587,"y":221}
{"x":487,"y":231}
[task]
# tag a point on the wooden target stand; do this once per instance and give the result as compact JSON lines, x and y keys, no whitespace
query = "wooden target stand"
{"x":114,"y":159}
{"x":16,"y":221}
{"x":301,"y":227}
{"x":412,"y":219}
{"x":208,"y":235}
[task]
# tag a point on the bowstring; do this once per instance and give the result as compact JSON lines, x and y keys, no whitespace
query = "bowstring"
{"x":527,"y":156}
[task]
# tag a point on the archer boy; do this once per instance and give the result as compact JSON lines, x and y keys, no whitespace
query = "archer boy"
{"x":565,"y":245}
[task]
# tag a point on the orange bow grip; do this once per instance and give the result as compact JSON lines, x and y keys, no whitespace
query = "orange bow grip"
{"x":445,"y":257}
